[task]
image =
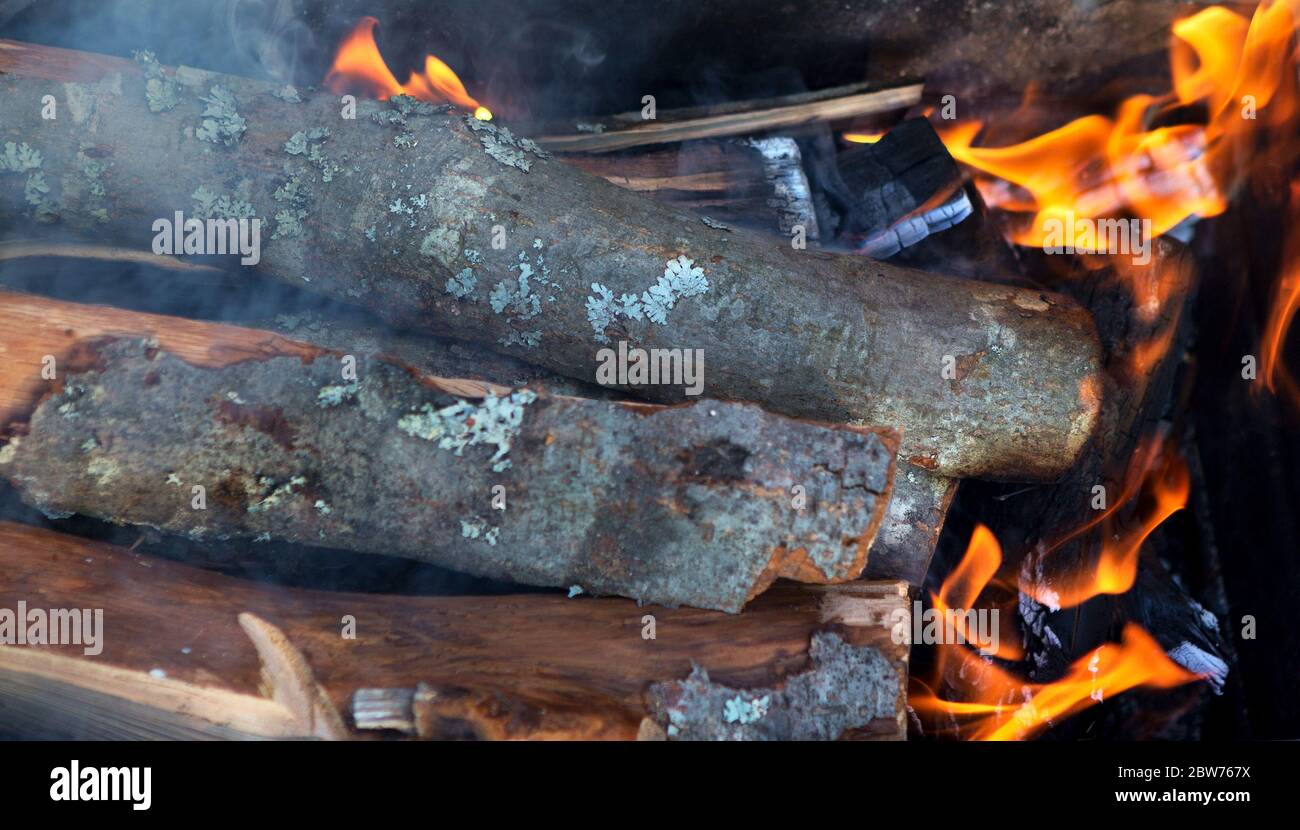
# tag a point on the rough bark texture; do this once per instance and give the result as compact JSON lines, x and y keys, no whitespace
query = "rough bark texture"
{"x":682,"y":505}
{"x":918,"y":500}
{"x":190,"y":653}
{"x":918,"y":505}
{"x":39,"y":327}
{"x":387,"y":215}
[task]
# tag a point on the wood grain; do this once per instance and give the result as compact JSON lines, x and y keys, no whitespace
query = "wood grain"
{"x":576,"y":668}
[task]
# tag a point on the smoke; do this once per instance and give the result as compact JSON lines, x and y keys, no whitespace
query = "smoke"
{"x":267,"y":34}
{"x":258,"y":38}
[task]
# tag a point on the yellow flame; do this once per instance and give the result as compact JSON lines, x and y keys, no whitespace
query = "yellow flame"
{"x":359,"y":66}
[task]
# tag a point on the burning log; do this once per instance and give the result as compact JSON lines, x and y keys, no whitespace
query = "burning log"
{"x":215,"y":431}
{"x":400,"y":215}
{"x":1080,"y":557}
{"x":184,"y":652}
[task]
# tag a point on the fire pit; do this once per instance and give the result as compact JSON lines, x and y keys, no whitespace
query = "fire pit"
{"x":711,"y":373}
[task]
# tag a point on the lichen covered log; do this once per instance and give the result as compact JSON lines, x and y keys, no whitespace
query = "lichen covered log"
{"x":460,"y":228}
{"x":701,"y":505}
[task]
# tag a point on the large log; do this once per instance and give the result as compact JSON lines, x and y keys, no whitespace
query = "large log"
{"x":400,"y":216}
{"x":698,"y":505}
{"x":189,"y":653}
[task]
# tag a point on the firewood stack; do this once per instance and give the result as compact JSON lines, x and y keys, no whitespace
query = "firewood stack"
{"x":843,"y":398}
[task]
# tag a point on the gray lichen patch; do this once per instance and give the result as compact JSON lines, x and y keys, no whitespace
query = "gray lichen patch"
{"x":88,"y":183}
{"x":505,"y":146}
{"x":462,"y":284}
{"x":529,"y":339}
{"x":495,"y":421}
{"x":845,"y":687}
{"x":210,"y":204}
{"x":103,"y":470}
{"x":220,"y":122}
{"x":681,"y":278}
{"x":334,"y":394}
{"x":441,"y":243}
{"x":20,"y":158}
{"x":311,"y":145}
{"x":293,"y":197}
{"x":477,"y":528}
{"x":401,"y":108}
{"x":299,"y":143}
{"x":517,"y":298}
{"x":278,"y":493}
{"x":160,"y":92}
{"x":23,"y":158}
{"x":288,"y":93}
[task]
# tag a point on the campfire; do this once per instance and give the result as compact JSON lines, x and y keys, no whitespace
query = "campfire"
{"x":674,"y":390}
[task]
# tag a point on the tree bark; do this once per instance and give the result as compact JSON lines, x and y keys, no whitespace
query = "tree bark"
{"x":391,"y":227}
{"x":191,"y":653}
{"x":704,"y":504}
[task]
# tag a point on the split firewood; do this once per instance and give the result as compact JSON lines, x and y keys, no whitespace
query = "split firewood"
{"x":398,"y":209}
{"x":184,"y":652}
{"x":219,"y":432}
{"x":746,"y":118}
{"x":918,"y":500}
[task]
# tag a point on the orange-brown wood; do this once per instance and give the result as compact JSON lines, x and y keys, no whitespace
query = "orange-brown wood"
{"x":34,"y":330}
{"x":524,"y":666}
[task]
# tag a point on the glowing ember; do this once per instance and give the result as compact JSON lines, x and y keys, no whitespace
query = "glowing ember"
{"x":358,"y":66}
{"x":862,"y":138}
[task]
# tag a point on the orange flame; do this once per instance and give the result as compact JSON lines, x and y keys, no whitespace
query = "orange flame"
{"x":1003,"y":708}
{"x":1163,"y":476}
{"x":991,"y":702}
{"x":962,"y":589}
{"x":1098,"y":167}
{"x":359,"y":65}
{"x":1286,"y":300}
